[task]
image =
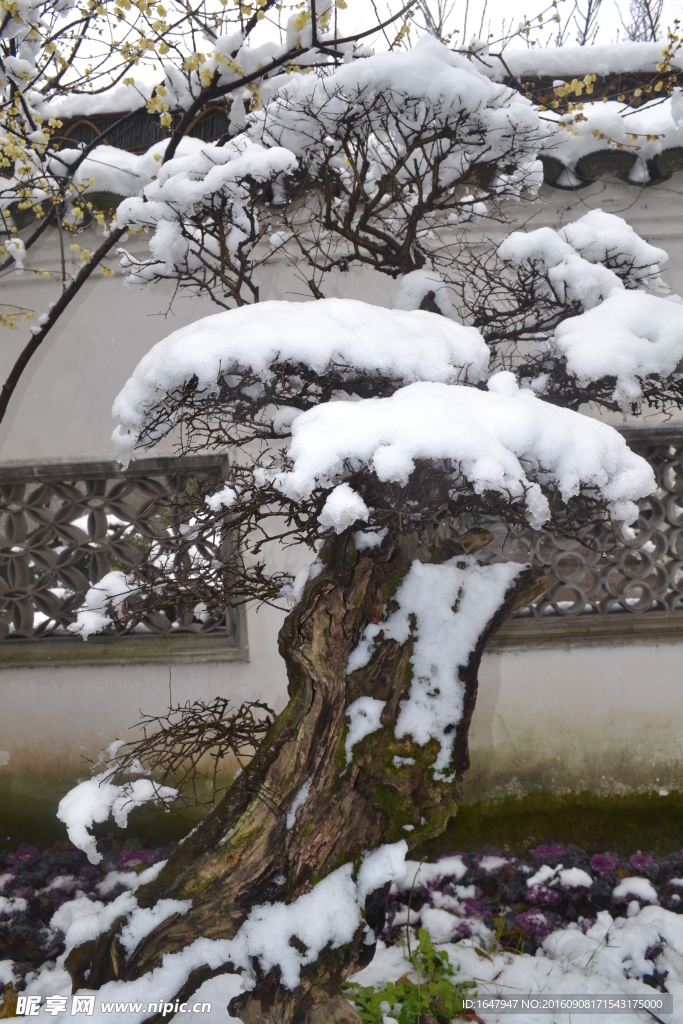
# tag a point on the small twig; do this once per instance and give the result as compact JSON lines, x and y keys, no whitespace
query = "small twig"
{"x":410,"y":901}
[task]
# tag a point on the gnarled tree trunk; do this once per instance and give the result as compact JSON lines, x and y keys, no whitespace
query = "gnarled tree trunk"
{"x":243,"y":854}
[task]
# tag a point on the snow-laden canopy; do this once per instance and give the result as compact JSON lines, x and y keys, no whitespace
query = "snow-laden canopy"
{"x":572,"y":277}
{"x":192,"y":178}
{"x":620,"y":257}
{"x":630,"y":336}
{"x":184,"y":186}
{"x":117,"y":171}
{"x":399,"y":94}
{"x":339,"y":335}
{"x":416,"y":286}
{"x":601,"y":237}
{"x":625,"y":332}
{"x":504,"y":440}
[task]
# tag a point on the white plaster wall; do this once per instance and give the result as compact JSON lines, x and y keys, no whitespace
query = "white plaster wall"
{"x":607,"y":719}
{"x":51,"y":718}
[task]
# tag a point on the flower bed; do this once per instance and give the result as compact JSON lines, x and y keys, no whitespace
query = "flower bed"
{"x":560,"y":904}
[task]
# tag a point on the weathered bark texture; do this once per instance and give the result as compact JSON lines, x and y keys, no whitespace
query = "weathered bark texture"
{"x":243,"y":854}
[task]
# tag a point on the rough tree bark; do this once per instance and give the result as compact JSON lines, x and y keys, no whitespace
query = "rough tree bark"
{"x":240,"y":854}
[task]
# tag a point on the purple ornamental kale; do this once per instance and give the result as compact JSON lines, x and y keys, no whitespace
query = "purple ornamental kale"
{"x":551,"y":855}
{"x":604,"y":863}
{"x":25,"y":855}
{"x":644,"y":864}
{"x":540,"y":893}
{"x":534,"y":924}
{"x":129,"y":858}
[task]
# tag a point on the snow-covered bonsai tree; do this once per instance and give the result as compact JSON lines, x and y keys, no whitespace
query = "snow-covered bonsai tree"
{"x":286,"y":879}
{"x":375,"y":439}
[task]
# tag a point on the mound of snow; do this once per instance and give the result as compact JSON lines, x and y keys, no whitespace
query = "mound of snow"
{"x":504,"y":440}
{"x":406,"y":346}
{"x":630,"y":336}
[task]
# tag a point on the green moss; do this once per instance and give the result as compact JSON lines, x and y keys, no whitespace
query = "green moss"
{"x":307,"y":829}
{"x":643,"y":821}
{"x":399,"y":808}
{"x":624,"y":824}
{"x":392,"y":582}
{"x":237,"y":841}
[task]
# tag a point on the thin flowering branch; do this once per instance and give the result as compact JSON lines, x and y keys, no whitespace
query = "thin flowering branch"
{"x":40,"y":175}
{"x":51,"y":318}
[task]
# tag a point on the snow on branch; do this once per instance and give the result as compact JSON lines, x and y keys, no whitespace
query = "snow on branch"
{"x":91,"y":802}
{"x":505,"y":440}
{"x":418,"y":286}
{"x":428,"y":102}
{"x":571,"y":277}
{"x":229,"y":179}
{"x":600,"y":268}
{"x":630,"y":336}
{"x":601,"y":237}
{"x":340,"y":339}
{"x":591,"y":256}
{"x":109,"y":594}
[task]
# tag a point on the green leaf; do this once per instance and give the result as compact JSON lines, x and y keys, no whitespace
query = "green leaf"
{"x":435,"y":991}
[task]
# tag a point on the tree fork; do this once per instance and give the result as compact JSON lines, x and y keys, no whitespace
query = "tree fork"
{"x":243,"y":854}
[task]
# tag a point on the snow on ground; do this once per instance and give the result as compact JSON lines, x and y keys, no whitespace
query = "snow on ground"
{"x":586,"y":968}
{"x":557,"y":922}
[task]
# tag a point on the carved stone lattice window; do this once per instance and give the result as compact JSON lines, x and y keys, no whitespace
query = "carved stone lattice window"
{"x":63,"y":527}
{"x":623,"y":581}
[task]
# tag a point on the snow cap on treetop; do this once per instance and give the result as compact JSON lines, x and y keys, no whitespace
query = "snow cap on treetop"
{"x":407,"y":346}
{"x":602,"y":249}
{"x":602,"y":237}
{"x":429,"y":84}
